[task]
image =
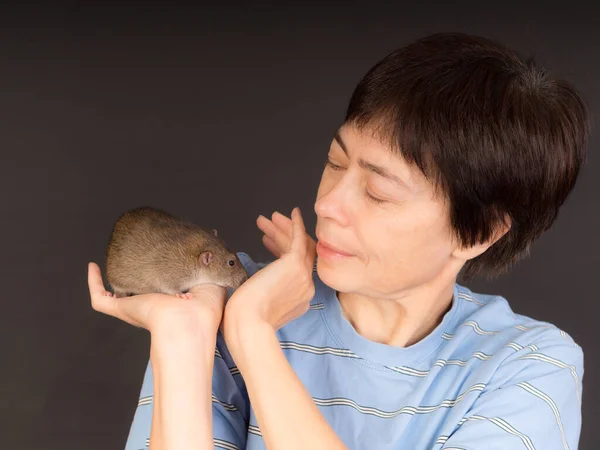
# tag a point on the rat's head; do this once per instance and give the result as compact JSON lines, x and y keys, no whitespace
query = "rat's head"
{"x":220,"y":264}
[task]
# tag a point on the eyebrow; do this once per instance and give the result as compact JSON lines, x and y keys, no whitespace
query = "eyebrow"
{"x":379,"y":170}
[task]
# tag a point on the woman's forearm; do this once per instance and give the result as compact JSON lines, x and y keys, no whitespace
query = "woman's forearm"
{"x":284,"y":409}
{"x":182,"y":363}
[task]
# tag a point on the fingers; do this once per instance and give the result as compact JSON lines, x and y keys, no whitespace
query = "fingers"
{"x":275,"y":234}
{"x":266,"y":225}
{"x":279,"y":233}
{"x":100,"y":302}
{"x":278,"y":221}
{"x":106,"y":304}
{"x":283,"y":222}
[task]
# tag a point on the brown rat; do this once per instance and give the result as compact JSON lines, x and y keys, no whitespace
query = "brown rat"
{"x":151,"y":250}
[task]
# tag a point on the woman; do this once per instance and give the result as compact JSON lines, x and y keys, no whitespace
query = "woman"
{"x":455,"y":155}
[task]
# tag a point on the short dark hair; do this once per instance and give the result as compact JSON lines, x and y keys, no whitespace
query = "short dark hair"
{"x":495,"y":134}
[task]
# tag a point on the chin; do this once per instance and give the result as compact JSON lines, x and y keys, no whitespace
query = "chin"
{"x":336,"y":277}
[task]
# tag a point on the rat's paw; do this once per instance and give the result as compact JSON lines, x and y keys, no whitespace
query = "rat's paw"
{"x":182,"y":295}
{"x":107,"y":294}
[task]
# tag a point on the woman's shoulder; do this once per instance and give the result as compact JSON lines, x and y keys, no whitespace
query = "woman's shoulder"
{"x":487,"y":317}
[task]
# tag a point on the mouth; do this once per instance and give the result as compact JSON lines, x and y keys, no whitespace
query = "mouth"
{"x":327,"y":250}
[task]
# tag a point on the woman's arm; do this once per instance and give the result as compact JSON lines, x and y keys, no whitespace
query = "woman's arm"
{"x":283,"y":407}
{"x":273,"y":296}
{"x":182,"y":362}
{"x":183,"y":339}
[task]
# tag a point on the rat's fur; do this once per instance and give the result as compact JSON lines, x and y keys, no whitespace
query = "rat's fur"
{"x":151,"y":250}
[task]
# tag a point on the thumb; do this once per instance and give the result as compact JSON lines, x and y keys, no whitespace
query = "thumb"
{"x":103,"y":301}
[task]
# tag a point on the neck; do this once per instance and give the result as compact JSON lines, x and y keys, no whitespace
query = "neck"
{"x":404,"y":319}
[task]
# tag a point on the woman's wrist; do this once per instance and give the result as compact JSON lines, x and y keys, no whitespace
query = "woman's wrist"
{"x":239,"y":330}
{"x":200,"y":323}
{"x":182,"y":358}
{"x":183,"y":340}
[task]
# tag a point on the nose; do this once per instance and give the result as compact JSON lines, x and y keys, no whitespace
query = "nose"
{"x":333,"y":202}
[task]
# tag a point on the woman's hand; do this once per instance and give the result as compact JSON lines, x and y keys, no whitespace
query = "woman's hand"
{"x":278,"y":234}
{"x":151,"y":311}
{"x":282,"y":290}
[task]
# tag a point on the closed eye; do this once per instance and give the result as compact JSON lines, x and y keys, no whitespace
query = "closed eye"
{"x":333,"y":166}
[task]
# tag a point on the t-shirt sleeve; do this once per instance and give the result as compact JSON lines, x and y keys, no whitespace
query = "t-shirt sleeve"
{"x":533,"y":401}
{"x":230,"y":404}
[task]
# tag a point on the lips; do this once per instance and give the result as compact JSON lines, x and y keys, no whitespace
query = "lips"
{"x":334,"y":248}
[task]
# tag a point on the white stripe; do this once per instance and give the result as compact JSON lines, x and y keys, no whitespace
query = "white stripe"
{"x":317,"y":306}
{"x":145,"y":400}
{"x":514,"y":346}
{"x":409,"y":371}
{"x":233,"y":370}
{"x":439,"y":363}
{"x":227,"y":406}
{"x":317,"y":350}
{"x":556,"y":362}
{"x":477,"y":329}
{"x":525,"y":328}
{"x":506,"y":427}
{"x":533,"y":390}
{"x":412,"y":410}
{"x":441,"y":440}
{"x":220,"y":443}
{"x":254,"y":430}
{"x":448,"y":336}
{"x":468,"y":298}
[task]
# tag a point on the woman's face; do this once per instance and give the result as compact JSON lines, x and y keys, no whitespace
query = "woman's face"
{"x":399,"y":240}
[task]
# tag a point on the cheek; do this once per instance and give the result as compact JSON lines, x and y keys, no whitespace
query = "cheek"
{"x":411,"y":241}
{"x":430,"y":247}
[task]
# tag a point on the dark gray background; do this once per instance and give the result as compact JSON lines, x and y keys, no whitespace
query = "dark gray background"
{"x":218,"y":114}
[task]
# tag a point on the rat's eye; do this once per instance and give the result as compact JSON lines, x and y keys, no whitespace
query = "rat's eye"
{"x":232,"y":262}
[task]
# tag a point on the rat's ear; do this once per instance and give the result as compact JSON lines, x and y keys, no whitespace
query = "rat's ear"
{"x":206,"y":257}
{"x":215,"y":231}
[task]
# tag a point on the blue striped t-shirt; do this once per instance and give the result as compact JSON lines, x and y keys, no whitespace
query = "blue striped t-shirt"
{"x":484,"y":378}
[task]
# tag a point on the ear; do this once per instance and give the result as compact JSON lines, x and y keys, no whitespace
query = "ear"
{"x":215,"y":232}
{"x":206,"y":258}
{"x":477,"y":249}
